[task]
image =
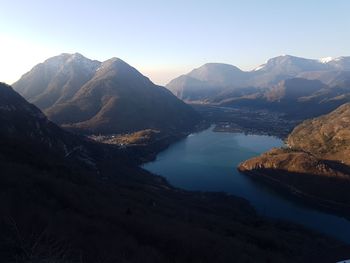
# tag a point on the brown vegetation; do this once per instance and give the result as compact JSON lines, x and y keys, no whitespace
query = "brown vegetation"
{"x":66,"y":199}
{"x":316,"y":162}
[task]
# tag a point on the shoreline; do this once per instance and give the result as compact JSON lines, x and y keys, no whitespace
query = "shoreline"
{"x":279,"y":186}
{"x":328,"y":206}
{"x":271,"y":219}
{"x":313,"y":201}
{"x":148,"y":152}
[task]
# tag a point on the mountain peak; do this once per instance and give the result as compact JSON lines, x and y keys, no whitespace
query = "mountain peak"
{"x":288,"y":65}
{"x":108,"y":97}
{"x":217,"y":73}
{"x":115,"y":62}
{"x":76,"y":54}
{"x":279,"y":60}
{"x":217,"y":66}
{"x":64,"y":59}
{"x":285,"y":57}
{"x":116,"y":66}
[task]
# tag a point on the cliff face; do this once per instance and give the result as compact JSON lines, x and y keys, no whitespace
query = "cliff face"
{"x":316,"y":161}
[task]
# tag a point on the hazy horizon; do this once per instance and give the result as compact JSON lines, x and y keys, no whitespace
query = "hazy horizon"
{"x":164,"y":40}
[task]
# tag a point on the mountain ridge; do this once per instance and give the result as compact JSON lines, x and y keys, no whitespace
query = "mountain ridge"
{"x":266,"y":75}
{"x":89,"y":96}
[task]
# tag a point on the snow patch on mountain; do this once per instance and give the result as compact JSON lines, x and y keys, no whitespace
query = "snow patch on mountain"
{"x":326,"y":59}
{"x":259,"y":67}
{"x":85,"y":63}
{"x":338,"y":59}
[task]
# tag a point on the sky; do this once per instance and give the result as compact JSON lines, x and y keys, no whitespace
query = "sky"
{"x":166,"y":38}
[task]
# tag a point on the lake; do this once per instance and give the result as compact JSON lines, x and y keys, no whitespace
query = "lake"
{"x":207,"y":161}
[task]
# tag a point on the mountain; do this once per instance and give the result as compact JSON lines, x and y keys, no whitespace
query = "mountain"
{"x":27,"y":137}
{"x":218,"y":74}
{"x":283,"y":67}
{"x":296,"y":98}
{"x":109,"y":97}
{"x":56,"y":80}
{"x":286,"y":66}
{"x":290,"y":65}
{"x":214,"y":79}
{"x":24,"y":124}
{"x":331,"y":78}
{"x":293,"y":90}
{"x":206,"y":81}
{"x":315,"y":164}
{"x":65,"y":198}
{"x":340,"y":63}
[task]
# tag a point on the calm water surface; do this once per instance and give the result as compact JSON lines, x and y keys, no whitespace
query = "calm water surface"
{"x":207,"y":161}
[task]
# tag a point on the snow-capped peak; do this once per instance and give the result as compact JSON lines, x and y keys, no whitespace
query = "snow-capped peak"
{"x":326,"y":59}
{"x":88,"y":64}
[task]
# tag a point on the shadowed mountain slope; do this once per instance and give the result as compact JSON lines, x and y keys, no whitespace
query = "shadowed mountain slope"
{"x":109,"y":97}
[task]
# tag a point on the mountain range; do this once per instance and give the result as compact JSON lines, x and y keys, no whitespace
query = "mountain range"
{"x":66,"y":198}
{"x":108,"y":97}
{"x":69,"y":198}
{"x":280,"y":84}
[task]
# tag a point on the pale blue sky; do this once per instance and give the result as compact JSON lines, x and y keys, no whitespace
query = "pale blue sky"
{"x":166,"y":38}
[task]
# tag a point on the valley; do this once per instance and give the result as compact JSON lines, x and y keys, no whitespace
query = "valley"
{"x":69,"y":199}
{"x":175,"y":131}
{"x":245,"y":120}
{"x":109,"y":123}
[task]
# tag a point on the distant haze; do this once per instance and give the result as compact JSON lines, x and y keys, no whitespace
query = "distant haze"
{"x":166,"y":38}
